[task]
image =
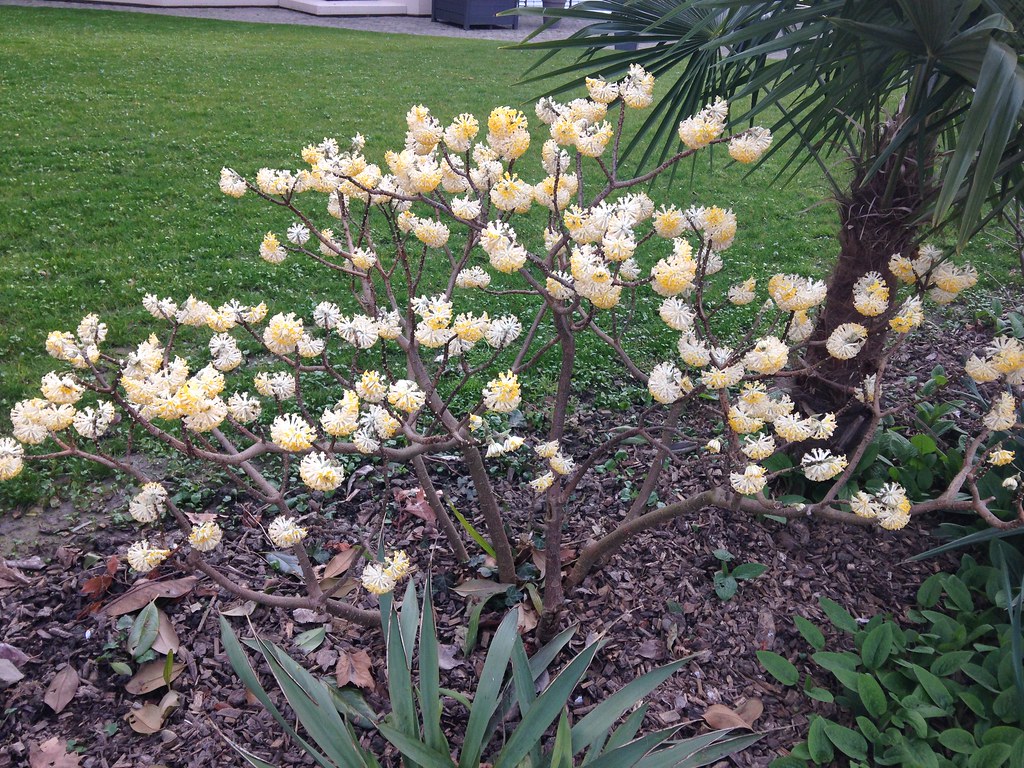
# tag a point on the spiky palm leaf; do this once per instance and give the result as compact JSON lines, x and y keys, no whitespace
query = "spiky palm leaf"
{"x":838,"y":70}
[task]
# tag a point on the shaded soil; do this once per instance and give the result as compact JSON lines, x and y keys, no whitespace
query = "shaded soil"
{"x":654,"y":601}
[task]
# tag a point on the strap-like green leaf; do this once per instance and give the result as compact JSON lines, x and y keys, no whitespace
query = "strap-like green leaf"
{"x":561,"y":752}
{"x":603,"y":716}
{"x":240,"y":664}
{"x":413,"y":749}
{"x":314,"y":707}
{"x":488,"y":690}
{"x":403,"y":707}
{"x":632,"y":752}
{"x":430,"y":670}
{"x":545,"y":709}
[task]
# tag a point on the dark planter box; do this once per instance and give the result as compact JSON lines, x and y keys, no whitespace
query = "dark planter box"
{"x":474,"y":13}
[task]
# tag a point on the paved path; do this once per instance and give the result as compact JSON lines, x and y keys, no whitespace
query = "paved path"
{"x":410,"y":25}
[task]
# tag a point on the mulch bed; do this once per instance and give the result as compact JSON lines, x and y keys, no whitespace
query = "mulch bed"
{"x":653,"y":602}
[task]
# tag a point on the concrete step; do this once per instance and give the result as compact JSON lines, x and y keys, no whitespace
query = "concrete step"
{"x":347,"y":7}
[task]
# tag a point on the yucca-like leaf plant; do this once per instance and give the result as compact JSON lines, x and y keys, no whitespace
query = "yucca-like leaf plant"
{"x":508,"y":680}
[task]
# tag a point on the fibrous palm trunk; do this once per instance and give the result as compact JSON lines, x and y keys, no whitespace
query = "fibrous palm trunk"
{"x":876,"y":221}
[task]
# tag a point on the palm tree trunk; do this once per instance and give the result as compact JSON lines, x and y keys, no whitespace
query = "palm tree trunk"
{"x":874,"y":224}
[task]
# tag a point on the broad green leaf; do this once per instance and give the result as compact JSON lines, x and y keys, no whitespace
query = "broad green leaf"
{"x":818,"y":742}
{"x":949,"y":663}
{"x":816,"y":693}
{"x":918,"y":753}
{"x":990,"y":756}
{"x":144,"y":630}
{"x":779,"y":667}
{"x":871,"y":695}
{"x":933,"y":686}
{"x":810,"y":632}
{"x":725,"y":586}
{"x":838,"y":615}
{"x":958,"y":593}
{"x":846,"y":740}
{"x":877,"y":646}
{"x":958,"y":740}
{"x":748,"y":571}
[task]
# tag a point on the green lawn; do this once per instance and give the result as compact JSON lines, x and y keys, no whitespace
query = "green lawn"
{"x":114,"y":127}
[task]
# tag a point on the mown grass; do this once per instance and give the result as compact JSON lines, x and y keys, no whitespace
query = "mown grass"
{"x":114,"y":127}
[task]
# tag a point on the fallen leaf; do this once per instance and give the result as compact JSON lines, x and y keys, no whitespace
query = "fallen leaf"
{"x":67,"y":556}
{"x":651,"y":648}
{"x":13,"y":655}
{"x":166,"y":638}
{"x":150,"y":718}
{"x":285,"y":562}
{"x":527,"y":620}
{"x":9,"y":674}
{"x":144,"y":592}
{"x":341,"y":562}
{"x":355,"y":668}
{"x":750,"y":710}
{"x":721,"y":716}
{"x":479,"y":588}
{"x":415,"y":503}
{"x":97,"y":586}
{"x":52,"y":754}
{"x":150,"y":677}
{"x":446,"y":656}
{"x":62,"y":689}
{"x":198,"y":518}
{"x":311,"y":639}
{"x":11,"y":576}
{"x":241,"y":609}
{"x":306,"y":616}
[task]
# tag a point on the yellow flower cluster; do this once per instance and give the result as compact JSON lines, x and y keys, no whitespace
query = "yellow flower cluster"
{"x":381,"y":578}
{"x":1003,"y":359}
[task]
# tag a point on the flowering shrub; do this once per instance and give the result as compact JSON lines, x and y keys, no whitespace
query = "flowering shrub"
{"x":406,"y":352}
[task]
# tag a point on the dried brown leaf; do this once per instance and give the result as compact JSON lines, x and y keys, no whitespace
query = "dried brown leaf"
{"x":241,"y":609}
{"x":750,"y":710}
{"x":144,"y":592}
{"x":527,"y":620}
{"x":415,"y":503}
{"x":720,"y":716}
{"x":479,"y":588}
{"x":62,"y":689}
{"x":150,"y":718}
{"x":52,"y":753}
{"x":166,"y":638}
{"x":150,"y":677}
{"x":356,"y":668}
{"x":341,"y":563}
{"x":97,"y":586}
